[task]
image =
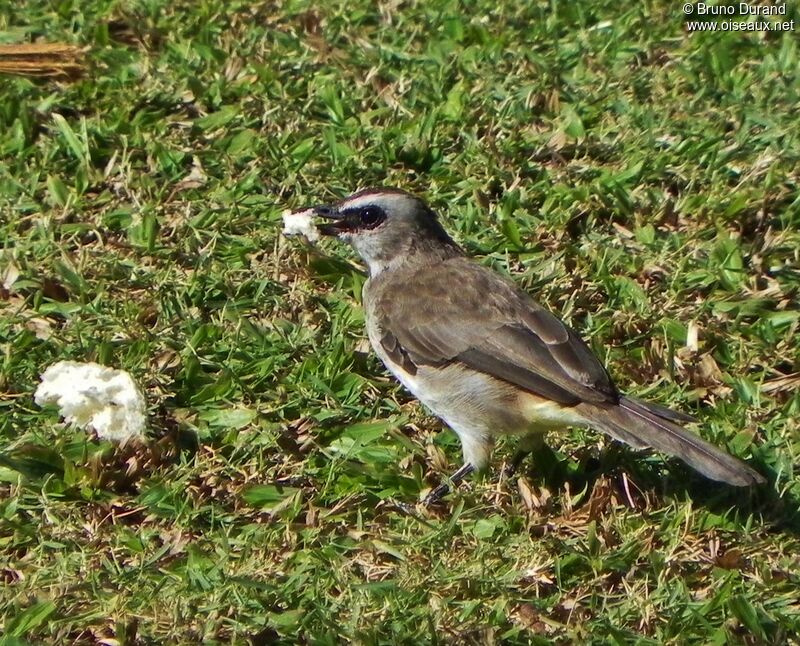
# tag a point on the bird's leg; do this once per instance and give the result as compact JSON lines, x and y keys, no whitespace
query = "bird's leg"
{"x":511,"y":468}
{"x":527,"y":445}
{"x":444,"y":488}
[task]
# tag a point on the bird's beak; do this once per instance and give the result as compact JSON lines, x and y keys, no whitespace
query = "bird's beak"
{"x":337,"y":223}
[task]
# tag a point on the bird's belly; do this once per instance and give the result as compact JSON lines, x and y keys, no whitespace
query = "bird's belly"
{"x":545,"y":414}
{"x":469,"y":399}
{"x":465,"y":398}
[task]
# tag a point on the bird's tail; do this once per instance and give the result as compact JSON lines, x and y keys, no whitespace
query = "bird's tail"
{"x":643,"y":424}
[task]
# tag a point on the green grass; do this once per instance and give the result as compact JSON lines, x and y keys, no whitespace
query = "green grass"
{"x":640,"y":181}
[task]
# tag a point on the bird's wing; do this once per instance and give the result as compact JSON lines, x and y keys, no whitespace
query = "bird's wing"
{"x":462,"y":311}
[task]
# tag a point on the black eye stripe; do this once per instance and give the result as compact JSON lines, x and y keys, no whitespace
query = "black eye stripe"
{"x":365,"y":217}
{"x":371,"y":216}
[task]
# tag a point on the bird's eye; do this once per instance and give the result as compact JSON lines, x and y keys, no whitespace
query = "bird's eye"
{"x":371,"y":217}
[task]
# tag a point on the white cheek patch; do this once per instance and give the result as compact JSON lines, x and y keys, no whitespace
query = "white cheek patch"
{"x":367,"y":245}
{"x":371,"y":247}
{"x":300,"y":223}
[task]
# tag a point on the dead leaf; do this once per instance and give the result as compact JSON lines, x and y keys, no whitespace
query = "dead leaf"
{"x":40,"y":327}
{"x":557,"y":141}
{"x":54,"y":290}
{"x":527,"y":616}
{"x":526,"y":494}
{"x":9,"y":275}
{"x":196,"y":178}
{"x":692,"y":336}
{"x":708,"y":371}
{"x":730,"y":560}
{"x":42,"y":59}
{"x":787,"y":383}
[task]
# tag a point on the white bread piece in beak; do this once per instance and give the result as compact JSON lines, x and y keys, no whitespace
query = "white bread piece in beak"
{"x":300,"y":223}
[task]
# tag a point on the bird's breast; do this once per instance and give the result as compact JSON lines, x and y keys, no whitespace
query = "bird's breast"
{"x":409,"y":380}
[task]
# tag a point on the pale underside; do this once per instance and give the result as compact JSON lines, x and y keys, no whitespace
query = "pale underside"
{"x":478,"y":406}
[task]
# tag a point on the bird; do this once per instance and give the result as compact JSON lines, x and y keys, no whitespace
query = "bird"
{"x":482,"y":354}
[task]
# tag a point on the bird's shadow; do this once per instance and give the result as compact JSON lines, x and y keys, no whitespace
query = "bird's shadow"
{"x":779,"y":512}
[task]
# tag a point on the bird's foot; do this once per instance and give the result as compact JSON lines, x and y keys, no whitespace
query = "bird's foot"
{"x":510,"y":469}
{"x":399,"y":505}
{"x":443,"y":489}
{"x":436,"y":495}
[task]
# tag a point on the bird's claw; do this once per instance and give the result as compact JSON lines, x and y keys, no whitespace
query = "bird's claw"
{"x":436,"y":495}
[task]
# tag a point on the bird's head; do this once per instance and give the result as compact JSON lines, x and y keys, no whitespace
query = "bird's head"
{"x":386,"y":227}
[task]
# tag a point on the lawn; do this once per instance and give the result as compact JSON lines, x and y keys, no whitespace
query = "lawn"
{"x":641,"y":181}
